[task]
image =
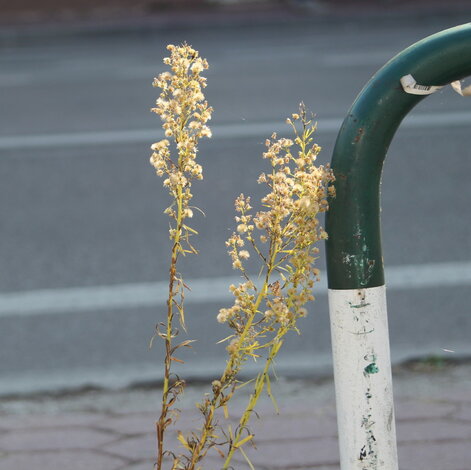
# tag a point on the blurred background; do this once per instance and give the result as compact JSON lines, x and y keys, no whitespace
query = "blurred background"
{"x":84,"y":247}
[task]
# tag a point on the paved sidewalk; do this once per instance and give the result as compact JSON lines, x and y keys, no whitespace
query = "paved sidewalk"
{"x":115,"y":430}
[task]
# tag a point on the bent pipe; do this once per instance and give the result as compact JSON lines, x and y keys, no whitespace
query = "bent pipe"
{"x":357,"y":295}
{"x":354,"y":255}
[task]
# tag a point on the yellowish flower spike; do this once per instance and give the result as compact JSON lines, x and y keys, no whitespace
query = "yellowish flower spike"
{"x":184,"y":113}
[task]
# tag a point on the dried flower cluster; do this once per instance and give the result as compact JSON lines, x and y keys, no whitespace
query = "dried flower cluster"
{"x":185,"y":113}
{"x":283,"y":236}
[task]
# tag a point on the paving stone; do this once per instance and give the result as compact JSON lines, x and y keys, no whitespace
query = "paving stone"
{"x":432,"y":430}
{"x":293,"y":454}
{"x":134,"y":448}
{"x":328,"y":410}
{"x":334,"y":466}
{"x":67,"y":460}
{"x":144,"y":423}
{"x":142,"y":447}
{"x":293,"y":427}
{"x":288,"y":407}
{"x":280,"y":454}
{"x":133,"y":424}
{"x":435,"y":456}
{"x":145,"y":465}
{"x":215,"y":463}
{"x":13,"y":422}
{"x":421,"y":409}
{"x":189,"y":420}
{"x":54,"y":439}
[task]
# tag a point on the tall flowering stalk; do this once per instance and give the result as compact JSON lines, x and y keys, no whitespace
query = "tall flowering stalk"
{"x":185,"y":113}
{"x":283,"y":237}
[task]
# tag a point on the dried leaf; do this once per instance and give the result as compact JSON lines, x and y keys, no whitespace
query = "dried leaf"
{"x":172,"y":358}
{"x":221,"y":453}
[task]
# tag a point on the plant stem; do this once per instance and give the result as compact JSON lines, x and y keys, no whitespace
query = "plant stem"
{"x":232,"y":367}
{"x":259,"y":386}
{"x":161,"y":423}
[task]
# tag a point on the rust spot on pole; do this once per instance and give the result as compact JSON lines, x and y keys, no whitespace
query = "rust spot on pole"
{"x":359,"y":135}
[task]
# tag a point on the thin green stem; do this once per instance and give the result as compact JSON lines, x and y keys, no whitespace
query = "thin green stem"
{"x":259,"y":387}
{"x":162,"y":422}
{"x":234,"y":363}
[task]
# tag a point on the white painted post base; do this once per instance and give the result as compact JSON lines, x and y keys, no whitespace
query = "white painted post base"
{"x":363,"y":382}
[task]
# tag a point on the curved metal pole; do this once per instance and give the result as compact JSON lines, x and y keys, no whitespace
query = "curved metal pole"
{"x":357,"y":296}
{"x":354,"y":257}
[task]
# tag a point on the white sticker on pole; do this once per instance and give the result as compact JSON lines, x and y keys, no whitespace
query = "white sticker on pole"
{"x":410,"y":85}
{"x":461,"y":91}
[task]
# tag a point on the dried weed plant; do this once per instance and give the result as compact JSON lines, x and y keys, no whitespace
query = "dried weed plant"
{"x":184,"y":112}
{"x":282,"y":235}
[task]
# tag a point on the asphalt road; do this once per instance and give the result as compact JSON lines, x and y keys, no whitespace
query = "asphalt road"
{"x":84,"y":246}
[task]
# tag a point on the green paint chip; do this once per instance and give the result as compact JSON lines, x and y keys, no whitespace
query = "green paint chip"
{"x":371,"y":368}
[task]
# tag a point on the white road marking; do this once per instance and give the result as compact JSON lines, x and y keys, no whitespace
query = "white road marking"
{"x":154,"y":294}
{"x":419,"y":276}
{"x":221,"y":131}
{"x":79,"y":139}
{"x":78,"y":72}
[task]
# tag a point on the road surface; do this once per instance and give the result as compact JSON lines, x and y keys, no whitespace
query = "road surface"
{"x":84,"y":246}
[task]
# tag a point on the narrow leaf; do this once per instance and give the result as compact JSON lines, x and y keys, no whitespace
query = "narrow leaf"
{"x":182,"y":439}
{"x":225,"y":339}
{"x":172,"y":358}
{"x":190,"y":229}
{"x":151,"y":342}
{"x":243,"y":441}
{"x":186,"y":343}
{"x":244,"y":384}
{"x":247,"y":458}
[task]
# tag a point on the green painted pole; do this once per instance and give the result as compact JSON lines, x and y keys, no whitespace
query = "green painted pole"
{"x":354,"y":256}
{"x":357,"y":294}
